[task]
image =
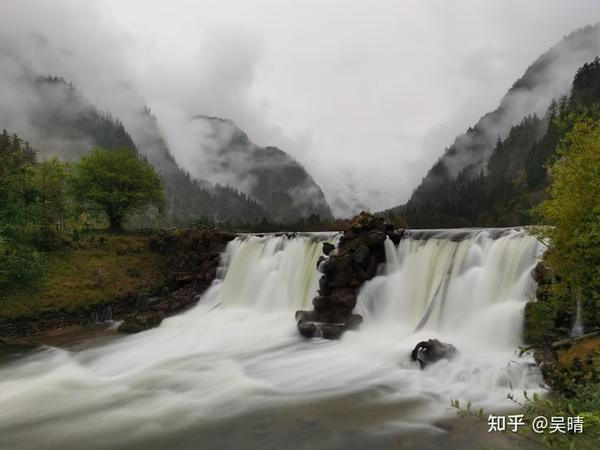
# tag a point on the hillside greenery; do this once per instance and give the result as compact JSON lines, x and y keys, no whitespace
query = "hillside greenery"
{"x":503,"y":189}
{"x":44,"y":206}
{"x":20,"y":261}
{"x":64,"y":123}
{"x":116,"y":182}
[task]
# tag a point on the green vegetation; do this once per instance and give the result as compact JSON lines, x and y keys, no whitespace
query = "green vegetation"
{"x":42,"y":202}
{"x":99,"y":268}
{"x":574,"y":211}
{"x":573,"y":257}
{"x":117,"y":182}
{"x":503,"y":189}
{"x":20,"y":261}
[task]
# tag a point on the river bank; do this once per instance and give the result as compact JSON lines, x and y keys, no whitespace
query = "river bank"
{"x":135,"y":278}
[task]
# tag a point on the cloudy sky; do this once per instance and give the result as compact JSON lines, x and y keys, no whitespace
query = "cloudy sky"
{"x":366,"y":94}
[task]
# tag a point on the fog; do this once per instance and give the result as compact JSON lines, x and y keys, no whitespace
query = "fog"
{"x":366,"y":95}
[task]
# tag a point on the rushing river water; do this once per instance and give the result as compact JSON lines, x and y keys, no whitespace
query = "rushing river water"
{"x":233,"y":373}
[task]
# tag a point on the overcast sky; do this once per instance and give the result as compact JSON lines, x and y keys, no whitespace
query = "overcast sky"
{"x":365,"y":93}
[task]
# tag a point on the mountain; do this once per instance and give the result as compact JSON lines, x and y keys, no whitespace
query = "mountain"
{"x":514,"y":178}
{"x":189,"y":199}
{"x":259,"y":183}
{"x":516,"y":138}
{"x":277,"y":181}
{"x":59,"y":121}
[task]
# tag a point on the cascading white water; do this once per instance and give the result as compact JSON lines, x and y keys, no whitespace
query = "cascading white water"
{"x":474,"y":287}
{"x":234,"y":373}
{"x":272,"y":272}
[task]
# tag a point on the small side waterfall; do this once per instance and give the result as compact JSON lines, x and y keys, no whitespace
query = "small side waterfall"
{"x":272,"y":272}
{"x":577,"y":329}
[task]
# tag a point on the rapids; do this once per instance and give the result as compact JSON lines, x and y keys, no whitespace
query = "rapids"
{"x":234,"y":373}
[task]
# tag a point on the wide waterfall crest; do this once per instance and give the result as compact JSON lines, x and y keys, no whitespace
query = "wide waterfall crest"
{"x":473,"y":283}
{"x":272,"y":271}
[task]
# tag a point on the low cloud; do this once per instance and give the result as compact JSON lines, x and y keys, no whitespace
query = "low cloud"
{"x":366,"y":97}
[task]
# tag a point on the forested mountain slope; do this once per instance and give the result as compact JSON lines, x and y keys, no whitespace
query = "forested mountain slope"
{"x":494,"y":173}
{"x":57,"y":120}
{"x":503,"y":191}
{"x":270,"y":175}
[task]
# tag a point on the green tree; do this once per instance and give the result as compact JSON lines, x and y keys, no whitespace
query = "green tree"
{"x":116,"y":182}
{"x":573,"y":210}
{"x":50,"y":183}
{"x":20,"y":263}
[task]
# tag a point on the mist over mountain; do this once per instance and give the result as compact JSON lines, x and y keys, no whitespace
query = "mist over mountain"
{"x":521,"y":120}
{"x":269,"y":175}
{"x":58,"y":120}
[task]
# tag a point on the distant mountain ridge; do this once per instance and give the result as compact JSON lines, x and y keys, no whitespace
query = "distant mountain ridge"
{"x":520,"y":121}
{"x":59,"y":121}
{"x":268,"y":174}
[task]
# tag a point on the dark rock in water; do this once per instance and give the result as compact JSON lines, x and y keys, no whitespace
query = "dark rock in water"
{"x":336,"y":265}
{"x":375,"y":238}
{"x":331,"y":330}
{"x":306,"y":316}
{"x":328,"y":248}
{"x":310,"y":328}
{"x":141,"y":322}
{"x":431,"y":351}
{"x":396,"y":236}
{"x":354,"y":322}
{"x":307,"y":329}
{"x":341,"y":279}
{"x":542,"y":274}
{"x":320,"y":302}
{"x":324,"y":288}
{"x":359,"y":253}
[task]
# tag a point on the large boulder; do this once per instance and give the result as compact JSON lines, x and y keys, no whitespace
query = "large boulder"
{"x":359,"y":253}
{"x":310,"y":327}
{"x":431,"y":351}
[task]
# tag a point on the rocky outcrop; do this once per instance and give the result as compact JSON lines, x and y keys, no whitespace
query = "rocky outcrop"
{"x":193,"y":256}
{"x":431,"y":351}
{"x":359,"y":253}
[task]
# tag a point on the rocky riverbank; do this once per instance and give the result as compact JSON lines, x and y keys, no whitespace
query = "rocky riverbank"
{"x":187,"y":261}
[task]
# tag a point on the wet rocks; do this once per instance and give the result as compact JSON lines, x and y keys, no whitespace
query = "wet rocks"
{"x":361,"y":254}
{"x":195,"y":255}
{"x":328,"y":248}
{"x":191,"y":257}
{"x":360,"y":251}
{"x":542,"y":274}
{"x":431,"y":351}
{"x":141,"y":322}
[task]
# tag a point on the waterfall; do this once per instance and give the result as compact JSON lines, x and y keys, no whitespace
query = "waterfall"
{"x":577,"y":330}
{"x":233,"y":371}
{"x":471,"y":283}
{"x":272,"y":272}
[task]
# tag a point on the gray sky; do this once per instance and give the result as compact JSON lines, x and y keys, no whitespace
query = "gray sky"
{"x":365,"y":93}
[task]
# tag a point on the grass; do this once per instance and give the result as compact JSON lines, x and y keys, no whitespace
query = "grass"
{"x":582,"y":350}
{"x":99,"y":268}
